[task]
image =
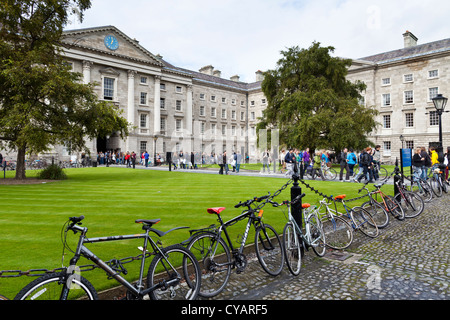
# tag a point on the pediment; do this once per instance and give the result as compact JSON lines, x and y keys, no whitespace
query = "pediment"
{"x":94,"y":39}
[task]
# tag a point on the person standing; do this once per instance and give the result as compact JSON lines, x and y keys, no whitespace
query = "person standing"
{"x":351,"y":161}
{"x":317,"y":166}
{"x":238,"y":161}
{"x":265,"y":161}
{"x":146,"y":156}
{"x":289,"y":160}
{"x":133,"y":159}
{"x":417,"y":163}
{"x":344,"y":165}
{"x":427,"y":163}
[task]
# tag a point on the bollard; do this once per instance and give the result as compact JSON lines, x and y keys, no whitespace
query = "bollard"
{"x":296,"y":208}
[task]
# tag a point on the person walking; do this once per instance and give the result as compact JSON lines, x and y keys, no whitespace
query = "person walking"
{"x":365,"y":163}
{"x":351,"y":161}
{"x":344,"y":165}
{"x":265,"y":161}
{"x":317,"y":166}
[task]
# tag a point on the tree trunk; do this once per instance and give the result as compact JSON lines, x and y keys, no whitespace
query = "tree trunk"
{"x":20,"y":166}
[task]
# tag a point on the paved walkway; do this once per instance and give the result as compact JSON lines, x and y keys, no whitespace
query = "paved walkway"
{"x":408,"y":261}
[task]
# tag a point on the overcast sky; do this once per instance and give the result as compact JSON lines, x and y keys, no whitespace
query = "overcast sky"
{"x":239,"y":37}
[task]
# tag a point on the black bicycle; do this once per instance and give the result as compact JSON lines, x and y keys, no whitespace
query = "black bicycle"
{"x":173,"y":274}
{"x":217,"y":255}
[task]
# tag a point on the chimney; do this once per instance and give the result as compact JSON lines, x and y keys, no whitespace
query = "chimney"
{"x":409,"y":39}
{"x":259,"y":75}
{"x":207,"y":70}
{"x":217,"y":73}
{"x":235,"y":78}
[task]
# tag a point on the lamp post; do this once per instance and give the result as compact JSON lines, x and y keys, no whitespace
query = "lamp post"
{"x":439,"y":103}
{"x":154,"y":150}
{"x":402,"y":139}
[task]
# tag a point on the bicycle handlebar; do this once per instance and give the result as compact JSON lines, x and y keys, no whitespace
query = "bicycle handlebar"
{"x":296,"y":199}
{"x":250,"y":201}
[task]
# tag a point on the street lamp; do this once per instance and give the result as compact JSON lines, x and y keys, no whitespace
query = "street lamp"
{"x":402,"y":139}
{"x":439,"y":103}
{"x":154,"y":150}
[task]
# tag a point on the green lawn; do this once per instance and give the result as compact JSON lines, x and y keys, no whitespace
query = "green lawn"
{"x":111,"y":199}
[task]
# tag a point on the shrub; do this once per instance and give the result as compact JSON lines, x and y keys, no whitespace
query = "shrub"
{"x":52,"y":172}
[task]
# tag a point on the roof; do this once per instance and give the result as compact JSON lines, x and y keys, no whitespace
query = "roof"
{"x":410,"y":52}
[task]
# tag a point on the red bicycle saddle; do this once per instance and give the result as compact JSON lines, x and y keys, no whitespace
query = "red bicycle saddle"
{"x":216,"y":210}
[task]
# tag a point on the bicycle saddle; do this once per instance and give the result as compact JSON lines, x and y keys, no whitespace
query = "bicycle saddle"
{"x":150,"y":222}
{"x":378,"y":185}
{"x":217,"y":210}
{"x":340,"y":197}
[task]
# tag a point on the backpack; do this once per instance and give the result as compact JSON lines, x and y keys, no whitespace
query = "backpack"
{"x":365,"y":159}
{"x":441,"y":157}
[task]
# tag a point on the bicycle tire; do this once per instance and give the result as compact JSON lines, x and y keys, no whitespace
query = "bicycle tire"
{"x":423,"y":189}
{"x":214,"y":276}
{"x":363,"y":221}
{"x":189,"y":276}
{"x":382,"y":173}
{"x":411,"y":203}
{"x":269,"y":249}
{"x":378,"y":213}
{"x":292,"y":249}
{"x":2,"y":297}
{"x":395,"y":208}
{"x":49,"y":287}
{"x":444,"y":185}
{"x":338,"y":233}
{"x":436,"y":187}
{"x":318,"y":238}
{"x":329,"y":174}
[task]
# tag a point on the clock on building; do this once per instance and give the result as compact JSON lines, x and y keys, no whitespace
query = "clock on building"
{"x":111,"y":42}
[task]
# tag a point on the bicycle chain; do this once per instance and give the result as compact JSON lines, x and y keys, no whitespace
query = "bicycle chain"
{"x":84,"y":268}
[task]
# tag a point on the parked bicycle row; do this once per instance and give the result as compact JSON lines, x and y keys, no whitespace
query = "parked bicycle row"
{"x":201,"y":265}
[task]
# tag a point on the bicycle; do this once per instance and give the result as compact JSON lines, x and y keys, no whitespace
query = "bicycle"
{"x":421,"y":187}
{"x":164,"y":279}
{"x":294,"y":239}
{"x":217,"y":255}
{"x":383,"y":174}
{"x":437,"y":184}
{"x":360,"y":218}
{"x":411,"y":203}
{"x":325,"y":172}
{"x":338,"y":232}
{"x":379,"y":209}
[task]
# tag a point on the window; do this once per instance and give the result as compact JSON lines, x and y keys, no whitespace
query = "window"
{"x":409,"y":96}
{"x":178,"y":89}
{"x":252,"y":116}
{"x":387,"y":121}
{"x":409,"y":144}
{"x":213,"y":98}
{"x":162,"y":86}
{"x":242,"y":103}
{"x":386,"y":148}
{"x":202,"y":96}
{"x":142,"y":146}
{"x":202,"y":110}
{"x":433,"y":74}
{"x":213,"y":129}
{"x":178,"y":124}
{"x":233,"y":130}
{"x":224,"y":113}
{"x":233,"y":114}
{"x":162,"y":103}
{"x":252,"y":103}
{"x":224,"y":100}
{"x":143,"y":98}
{"x":178,"y":105}
{"x":434,"y":118}
{"x":162,"y":123}
{"x":263,"y":101}
{"x":213,"y":112}
{"x":432,"y":92}
{"x":143,"y":80}
{"x":386,"y":99}
{"x":233,"y":102}
{"x":242,"y":116}
{"x":108,"y":88}
{"x":386,"y":81}
{"x":409,"y":117}
{"x":143,"y":120}
{"x":224,"y":129}
{"x":202,"y":127}
{"x":408,"y":78}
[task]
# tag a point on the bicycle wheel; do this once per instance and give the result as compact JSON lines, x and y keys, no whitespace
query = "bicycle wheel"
{"x":292,"y":249}
{"x":378,"y":213}
{"x":214,"y":259}
{"x":329,"y":174}
{"x":423,"y":189}
{"x":338,"y":232}
{"x":436,"y":187}
{"x":318,"y":239}
{"x":50,"y":286}
{"x":171,"y":281}
{"x":395,"y":208}
{"x":444,"y":185}
{"x":382,"y":174}
{"x":411,"y":203}
{"x":363,"y":221}
{"x":269,"y":249}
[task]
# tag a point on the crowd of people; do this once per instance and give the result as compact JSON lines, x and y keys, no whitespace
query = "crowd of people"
{"x":422,"y":161}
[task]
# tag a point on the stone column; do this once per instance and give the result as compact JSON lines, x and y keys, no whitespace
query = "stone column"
{"x":130,"y":104}
{"x":157,"y":107}
{"x":189,"y":110}
{"x":87,"y":71}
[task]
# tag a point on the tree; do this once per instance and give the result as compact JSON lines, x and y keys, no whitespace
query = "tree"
{"x":311,"y":102}
{"x":43,"y":103}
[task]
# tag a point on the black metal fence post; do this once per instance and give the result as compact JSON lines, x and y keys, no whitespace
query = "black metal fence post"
{"x":296,"y":208}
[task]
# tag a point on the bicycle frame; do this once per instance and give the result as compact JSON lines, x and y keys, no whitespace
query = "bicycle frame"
{"x":83,"y":251}
{"x":306,"y":237}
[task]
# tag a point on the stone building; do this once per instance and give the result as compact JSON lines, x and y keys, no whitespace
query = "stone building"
{"x":401,"y":84}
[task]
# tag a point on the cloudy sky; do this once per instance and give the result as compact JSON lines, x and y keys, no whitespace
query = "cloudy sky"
{"x":243,"y":36}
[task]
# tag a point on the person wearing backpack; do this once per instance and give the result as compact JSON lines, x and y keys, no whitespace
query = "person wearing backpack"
{"x":366,"y":160}
{"x":351,"y":161}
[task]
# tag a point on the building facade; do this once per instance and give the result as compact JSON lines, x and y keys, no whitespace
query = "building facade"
{"x":401,"y":84}
{"x":173,"y":109}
